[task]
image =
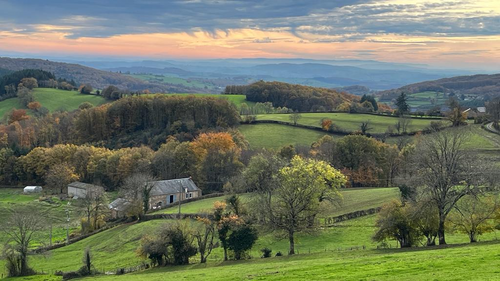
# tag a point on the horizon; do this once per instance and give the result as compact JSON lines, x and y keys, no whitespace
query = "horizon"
{"x":457,"y":34}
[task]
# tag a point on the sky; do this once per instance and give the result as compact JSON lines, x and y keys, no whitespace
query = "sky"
{"x":446,"y":34}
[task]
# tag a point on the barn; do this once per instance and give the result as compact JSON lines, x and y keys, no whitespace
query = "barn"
{"x":167,"y":192}
{"x":82,"y":190}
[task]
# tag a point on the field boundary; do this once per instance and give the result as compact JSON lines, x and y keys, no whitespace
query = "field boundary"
{"x":339,"y":133}
{"x":330,"y":221}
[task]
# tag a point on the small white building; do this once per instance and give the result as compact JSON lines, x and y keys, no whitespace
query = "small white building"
{"x":32,"y":189}
{"x":82,"y":190}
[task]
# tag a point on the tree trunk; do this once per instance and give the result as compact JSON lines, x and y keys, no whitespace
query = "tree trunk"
{"x":225,"y":252}
{"x":292,"y":243}
{"x":472,"y":237}
{"x":442,"y":240}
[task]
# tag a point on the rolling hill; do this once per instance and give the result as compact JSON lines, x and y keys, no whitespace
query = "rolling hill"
{"x":479,"y":87}
{"x":83,"y":74}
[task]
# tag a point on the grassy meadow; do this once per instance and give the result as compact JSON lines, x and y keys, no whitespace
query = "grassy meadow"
{"x":276,"y":136}
{"x":54,"y":99}
{"x":174,"y":80}
{"x":349,"y":122}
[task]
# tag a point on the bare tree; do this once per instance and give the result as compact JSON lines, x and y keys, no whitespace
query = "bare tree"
{"x":295,"y":117}
{"x":405,"y":124}
{"x":447,"y":172}
{"x":94,"y":206}
{"x":365,"y":127}
{"x":21,"y":228}
{"x":204,"y":235}
{"x":138,"y":188}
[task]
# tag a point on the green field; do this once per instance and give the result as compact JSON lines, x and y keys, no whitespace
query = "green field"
{"x":276,"y":136}
{"x":54,"y":99}
{"x":55,"y":211}
{"x":8,"y":105}
{"x":349,"y":122}
{"x":345,"y":251}
{"x":470,"y":262}
{"x":175,"y":81}
{"x":353,"y":199}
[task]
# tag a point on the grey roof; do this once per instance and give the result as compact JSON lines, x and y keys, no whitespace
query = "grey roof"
{"x":86,"y":186}
{"x":120,"y":204}
{"x":173,"y":186}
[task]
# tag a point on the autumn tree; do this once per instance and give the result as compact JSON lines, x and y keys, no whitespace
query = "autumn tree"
{"x":217,"y":157}
{"x":18,"y":115}
{"x":85,"y":89}
{"x":59,"y":176}
{"x":296,"y":199}
{"x":29,"y":83}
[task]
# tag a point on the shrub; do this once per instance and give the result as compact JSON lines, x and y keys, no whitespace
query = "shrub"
{"x":266,"y":252}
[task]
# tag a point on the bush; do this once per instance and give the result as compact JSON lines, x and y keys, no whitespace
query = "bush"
{"x":266,"y":252}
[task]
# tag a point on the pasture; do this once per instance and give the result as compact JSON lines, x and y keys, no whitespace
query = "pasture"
{"x":276,"y":136}
{"x":54,"y":99}
{"x":350,"y":122}
{"x":175,"y":81}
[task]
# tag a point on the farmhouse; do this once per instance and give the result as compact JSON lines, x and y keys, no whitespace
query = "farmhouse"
{"x":82,"y":190}
{"x":119,"y":208}
{"x":32,"y":189}
{"x":168,"y":192}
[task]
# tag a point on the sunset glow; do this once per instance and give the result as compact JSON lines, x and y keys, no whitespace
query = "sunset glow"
{"x":394,"y":31}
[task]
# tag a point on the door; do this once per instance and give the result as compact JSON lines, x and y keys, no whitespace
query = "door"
{"x":171,"y":199}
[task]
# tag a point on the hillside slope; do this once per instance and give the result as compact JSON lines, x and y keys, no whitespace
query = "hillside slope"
{"x":477,"y":85}
{"x":83,"y":74}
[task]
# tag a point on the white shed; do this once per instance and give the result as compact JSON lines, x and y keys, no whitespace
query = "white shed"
{"x":32,"y":189}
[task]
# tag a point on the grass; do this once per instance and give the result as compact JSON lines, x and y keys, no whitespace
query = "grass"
{"x":11,"y":198}
{"x":349,"y":122}
{"x":477,"y":262}
{"x":174,"y":80}
{"x":8,"y":105}
{"x":353,"y":199}
{"x":54,"y":99}
{"x":276,"y":136}
{"x":345,"y":252}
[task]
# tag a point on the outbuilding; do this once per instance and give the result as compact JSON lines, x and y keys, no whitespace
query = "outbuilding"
{"x":82,"y":190}
{"x":168,"y":192}
{"x":32,"y":189}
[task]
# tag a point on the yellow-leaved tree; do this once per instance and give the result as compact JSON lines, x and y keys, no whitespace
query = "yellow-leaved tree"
{"x":295,"y":200}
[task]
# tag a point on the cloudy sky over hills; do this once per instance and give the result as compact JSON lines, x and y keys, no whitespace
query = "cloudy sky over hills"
{"x":454,"y":33}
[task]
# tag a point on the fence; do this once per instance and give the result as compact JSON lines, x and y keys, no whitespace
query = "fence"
{"x":330,"y":221}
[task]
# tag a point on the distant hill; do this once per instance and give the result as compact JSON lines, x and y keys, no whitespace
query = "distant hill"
{"x":83,"y":74}
{"x":483,"y":86}
{"x":151,"y":70}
